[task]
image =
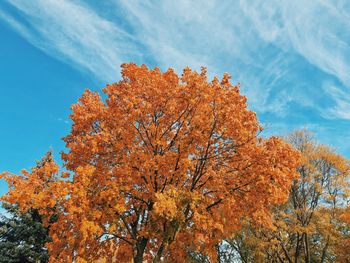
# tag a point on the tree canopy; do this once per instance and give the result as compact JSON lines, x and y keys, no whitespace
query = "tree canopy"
{"x":165,"y":165}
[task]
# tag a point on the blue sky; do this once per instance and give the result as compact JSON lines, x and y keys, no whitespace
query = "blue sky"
{"x":292,"y":59}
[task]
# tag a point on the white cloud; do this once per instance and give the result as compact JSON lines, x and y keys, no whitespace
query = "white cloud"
{"x":320,"y":31}
{"x":210,"y":33}
{"x":259,"y":42}
{"x":317,"y":30}
{"x":65,"y":121}
{"x":237,"y":37}
{"x":341,"y":109}
{"x":74,"y":33}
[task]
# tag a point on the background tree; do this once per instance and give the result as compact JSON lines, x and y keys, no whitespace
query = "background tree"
{"x":166,"y":165}
{"x":343,"y":243}
{"x":22,"y":236}
{"x":309,"y":227}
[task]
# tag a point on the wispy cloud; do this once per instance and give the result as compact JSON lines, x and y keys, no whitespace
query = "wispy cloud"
{"x":320,"y":32}
{"x":65,"y":121}
{"x":267,"y":46}
{"x":214,"y":34}
{"x":281,"y":51}
{"x":74,"y":33}
{"x":342,"y":102}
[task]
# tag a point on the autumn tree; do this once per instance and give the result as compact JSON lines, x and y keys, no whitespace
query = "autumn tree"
{"x":166,"y":165}
{"x":311,"y":226}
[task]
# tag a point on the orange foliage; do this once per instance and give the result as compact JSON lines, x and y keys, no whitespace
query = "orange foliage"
{"x":312,"y":226}
{"x":343,"y":244}
{"x":167,"y":164}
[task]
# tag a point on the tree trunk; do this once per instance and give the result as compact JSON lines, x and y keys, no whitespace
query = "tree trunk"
{"x":286,"y":252}
{"x":297,"y":250}
{"x":170,"y":231}
{"x":140,"y":250}
{"x":306,"y":248}
{"x":159,"y":253}
{"x":218,"y":252}
{"x":324,"y":251}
